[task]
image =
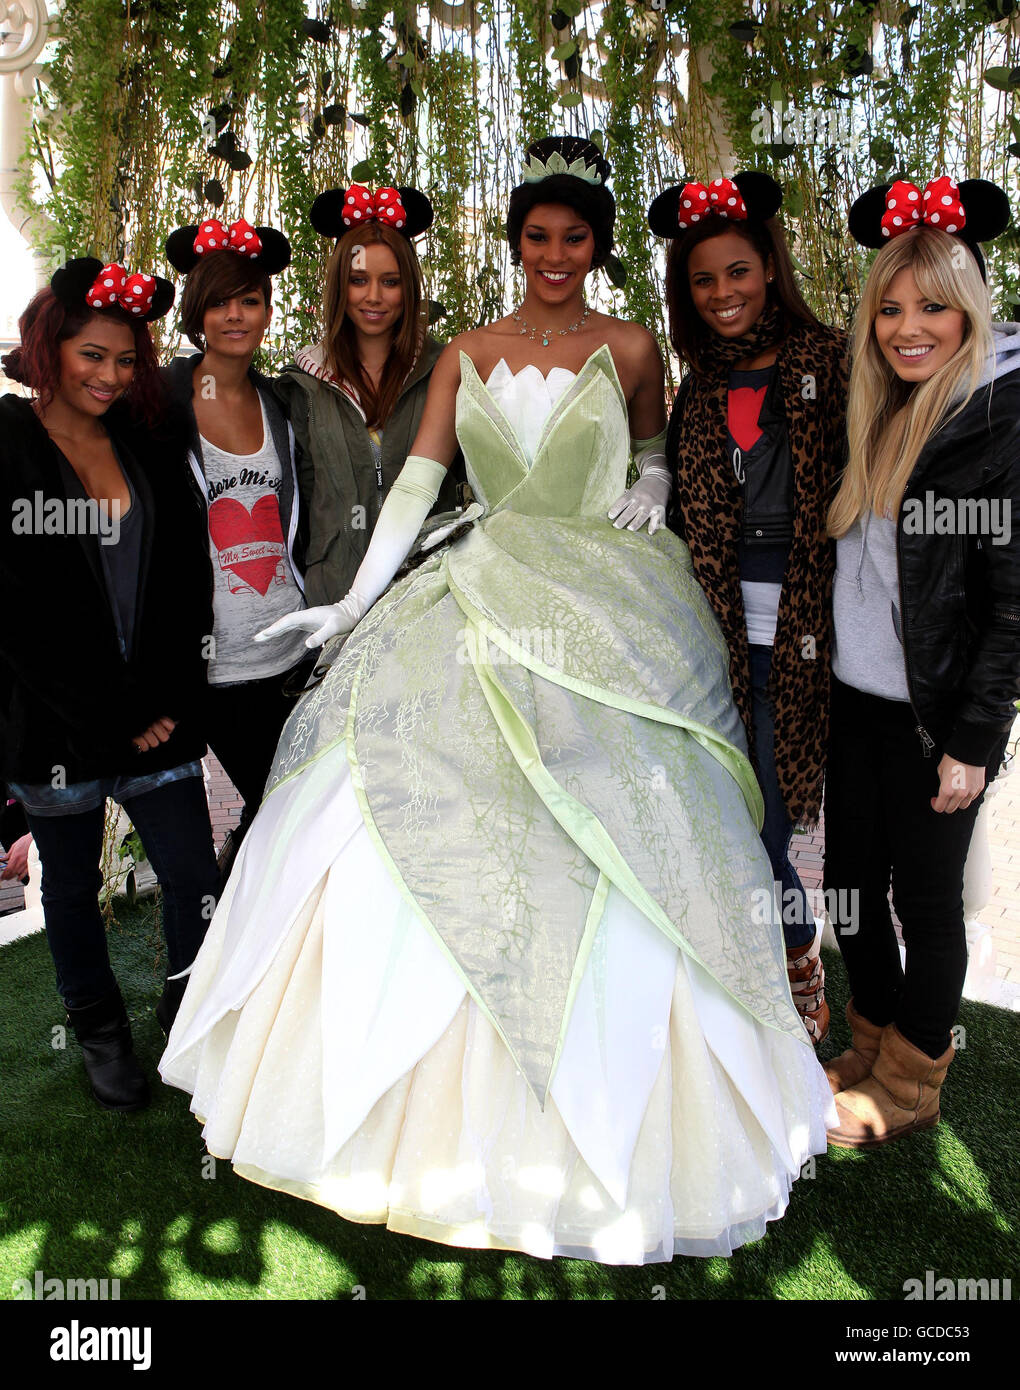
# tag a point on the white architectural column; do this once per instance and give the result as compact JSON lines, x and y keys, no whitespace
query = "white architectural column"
{"x":23,"y":32}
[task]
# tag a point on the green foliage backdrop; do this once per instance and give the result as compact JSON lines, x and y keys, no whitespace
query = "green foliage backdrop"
{"x":152,"y":113}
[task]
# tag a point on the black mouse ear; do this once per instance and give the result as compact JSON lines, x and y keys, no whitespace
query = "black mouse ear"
{"x":865,"y":217}
{"x":74,"y":279}
{"x":762,"y":196}
{"x":275,"y":253}
{"x":419,"y":212}
{"x":180,"y":249}
{"x":662,"y":214}
{"x":987,"y":209}
{"x":327,"y":213}
{"x":162,"y":300}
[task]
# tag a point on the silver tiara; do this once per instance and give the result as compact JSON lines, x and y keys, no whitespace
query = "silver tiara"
{"x":534,"y":169}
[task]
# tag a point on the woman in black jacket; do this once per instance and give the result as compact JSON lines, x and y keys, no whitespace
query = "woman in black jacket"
{"x":241,"y":451}
{"x":101,"y":559}
{"x":926,"y":662}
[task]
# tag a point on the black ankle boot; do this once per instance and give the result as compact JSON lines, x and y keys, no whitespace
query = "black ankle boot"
{"x":103,"y":1030}
{"x":170,"y":1002}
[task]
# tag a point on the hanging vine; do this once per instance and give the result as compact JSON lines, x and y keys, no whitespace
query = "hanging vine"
{"x":150,"y":115}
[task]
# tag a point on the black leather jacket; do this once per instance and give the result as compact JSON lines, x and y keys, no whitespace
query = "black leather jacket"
{"x":960,"y":593}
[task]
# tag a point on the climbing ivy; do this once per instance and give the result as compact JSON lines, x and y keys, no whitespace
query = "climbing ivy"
{"x":152,"y":114}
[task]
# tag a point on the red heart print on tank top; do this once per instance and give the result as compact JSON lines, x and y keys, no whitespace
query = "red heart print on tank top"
{"x":250,"y":544}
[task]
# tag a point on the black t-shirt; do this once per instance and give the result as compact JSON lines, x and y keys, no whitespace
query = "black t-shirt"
{"x":120,"y":552}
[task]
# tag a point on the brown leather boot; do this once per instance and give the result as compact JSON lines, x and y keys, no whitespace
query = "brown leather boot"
{"x":807,"y":985}
{"x":900,"y":1096}
{"x":852,"y":1066}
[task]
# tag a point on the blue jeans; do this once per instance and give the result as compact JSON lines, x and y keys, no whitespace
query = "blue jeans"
{"x":173,"y":821}
{"x":777,"y":832}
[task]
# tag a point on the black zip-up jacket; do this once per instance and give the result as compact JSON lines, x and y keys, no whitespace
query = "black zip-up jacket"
{"x":960,"y":593}
{"x":69,"y":700}
{"x":179,"y":378}
{"x":768,"y":489}
{"x":768,"y":507}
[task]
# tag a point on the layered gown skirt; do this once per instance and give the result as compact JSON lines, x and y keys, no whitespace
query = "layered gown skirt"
{"x":498,"y":964}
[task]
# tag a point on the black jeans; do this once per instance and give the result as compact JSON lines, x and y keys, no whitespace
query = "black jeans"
{"x":880,"y":828}
{"x":242,"y":724}
{"x":777,"y":830}
{"x":173,"y":821}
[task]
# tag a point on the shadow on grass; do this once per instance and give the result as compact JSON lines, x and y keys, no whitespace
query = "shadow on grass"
{"x":90,"y":1195}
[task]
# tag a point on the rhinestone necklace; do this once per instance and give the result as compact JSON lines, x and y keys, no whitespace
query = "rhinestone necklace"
{"x":547,"y":333}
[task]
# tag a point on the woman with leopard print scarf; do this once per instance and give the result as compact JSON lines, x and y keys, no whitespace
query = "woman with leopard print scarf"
{"x":755,"y":445}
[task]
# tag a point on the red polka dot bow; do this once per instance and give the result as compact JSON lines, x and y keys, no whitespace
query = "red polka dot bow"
{"x":722,"y":196}
{"x":939,"y":205}
{"x":113,"y":285}
{"x":361,"y":205}
{"x":240,"y":236}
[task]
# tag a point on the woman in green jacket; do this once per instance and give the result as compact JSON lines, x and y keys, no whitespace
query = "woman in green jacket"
{"x":356,"y":398}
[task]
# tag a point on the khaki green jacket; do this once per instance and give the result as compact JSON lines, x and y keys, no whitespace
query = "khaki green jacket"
{"x":340,"y":492}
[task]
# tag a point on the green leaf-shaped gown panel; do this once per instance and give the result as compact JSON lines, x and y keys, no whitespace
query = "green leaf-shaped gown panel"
{"x":543,"y":711}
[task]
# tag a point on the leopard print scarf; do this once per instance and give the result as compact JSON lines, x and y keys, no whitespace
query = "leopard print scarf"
{"x":708,"y":512}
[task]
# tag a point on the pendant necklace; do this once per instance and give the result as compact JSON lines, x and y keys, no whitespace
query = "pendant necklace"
{"x":547,"y":333}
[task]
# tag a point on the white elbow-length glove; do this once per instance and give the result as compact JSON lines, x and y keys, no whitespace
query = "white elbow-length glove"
{"x":408,"y":503}
{"x":648,"y":498}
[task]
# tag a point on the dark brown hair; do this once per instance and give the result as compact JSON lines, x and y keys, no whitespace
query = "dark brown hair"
{"x":340,"y":341}
{"x":48,"y":321}
{"x":688,"y":331}
{"x":219,"y":275}
{"x":592,"y":202}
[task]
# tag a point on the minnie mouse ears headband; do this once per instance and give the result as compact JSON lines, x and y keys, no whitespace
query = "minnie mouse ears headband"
{"x":339,"y":209}
{"x":86,"y":281}
{"x":750,"y":197}
{"x":269,"y":249}
{"x":974,"y":210}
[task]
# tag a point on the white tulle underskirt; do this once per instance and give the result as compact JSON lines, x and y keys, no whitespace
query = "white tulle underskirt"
{"x":333,"y":1052}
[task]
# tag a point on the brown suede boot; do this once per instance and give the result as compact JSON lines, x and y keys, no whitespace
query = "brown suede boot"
{"x":900,"y":1096}
{"x":807,"y":985}
{"x":852,"y":1066}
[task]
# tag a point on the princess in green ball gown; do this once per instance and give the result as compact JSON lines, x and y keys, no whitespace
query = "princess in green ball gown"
{"x":497,"y":965}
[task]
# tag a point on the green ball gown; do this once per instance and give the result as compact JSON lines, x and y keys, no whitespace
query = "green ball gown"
{"x":496,"y":965}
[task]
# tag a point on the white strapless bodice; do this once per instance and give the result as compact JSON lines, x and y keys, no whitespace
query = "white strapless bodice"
{"x":526,"y":398}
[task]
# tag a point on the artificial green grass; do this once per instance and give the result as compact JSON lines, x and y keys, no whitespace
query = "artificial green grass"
{"x":88,"y":1194}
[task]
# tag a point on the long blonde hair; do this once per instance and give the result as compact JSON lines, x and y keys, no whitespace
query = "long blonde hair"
{"x":889,"y":421}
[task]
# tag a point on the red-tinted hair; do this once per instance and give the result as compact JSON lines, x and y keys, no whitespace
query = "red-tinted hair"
{"x":48,"y":322}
